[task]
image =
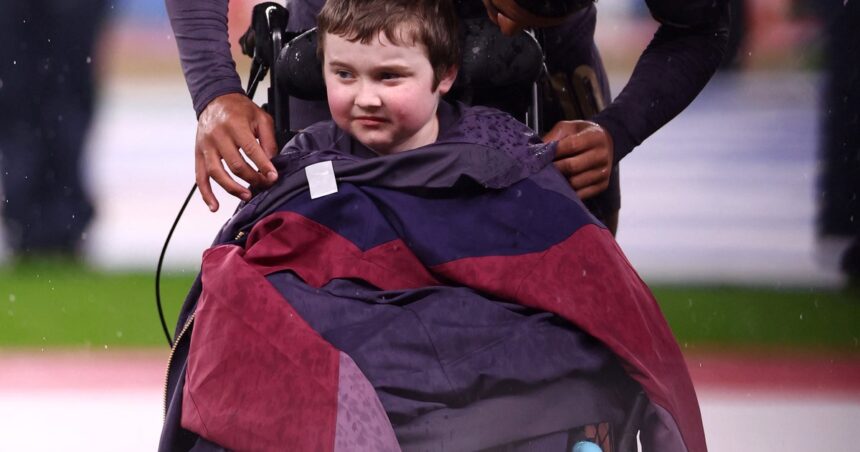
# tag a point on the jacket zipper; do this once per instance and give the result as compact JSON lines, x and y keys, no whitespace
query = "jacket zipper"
{"x":170,"y":359}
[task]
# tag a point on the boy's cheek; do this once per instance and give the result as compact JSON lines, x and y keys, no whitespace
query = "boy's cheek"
{"x":338,"y":104}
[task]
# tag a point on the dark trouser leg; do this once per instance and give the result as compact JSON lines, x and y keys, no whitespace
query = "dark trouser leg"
{"x":606,"y":205}
{"x":580,"y":94}
{"x":737,"y":34}
{"x":839,"y":214}
{"x":20,"y":136}
{"x":44,"y":115}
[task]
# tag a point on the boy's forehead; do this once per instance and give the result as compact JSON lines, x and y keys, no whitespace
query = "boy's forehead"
{"x":403,"y":34}
{"x":380,"y":42}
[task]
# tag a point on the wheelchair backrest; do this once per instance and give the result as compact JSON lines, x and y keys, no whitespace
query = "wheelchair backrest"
{"x":490,"y":59}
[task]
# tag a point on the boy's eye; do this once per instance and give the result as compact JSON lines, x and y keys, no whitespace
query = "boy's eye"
{"x":343,"y":74}
{"x":389,"y":76}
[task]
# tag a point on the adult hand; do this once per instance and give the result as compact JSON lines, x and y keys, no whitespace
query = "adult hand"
{"x":229,"y":123}
{"x":584,"y":155}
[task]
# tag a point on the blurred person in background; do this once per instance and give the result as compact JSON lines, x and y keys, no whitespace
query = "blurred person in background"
{"x":47,"y":91}
{"x":737,"y":35}
{"x":839,"y":210}
{"x":680,"y":59}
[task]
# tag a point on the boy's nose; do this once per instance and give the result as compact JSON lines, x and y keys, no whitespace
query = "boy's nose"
{"x":367,"y":97}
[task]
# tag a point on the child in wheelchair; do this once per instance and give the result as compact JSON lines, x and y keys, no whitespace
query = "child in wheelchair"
{"x":420,"y":277}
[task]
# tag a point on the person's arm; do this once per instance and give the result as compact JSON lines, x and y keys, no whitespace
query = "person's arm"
{"x":200,"y":28}
{"x":683,"y":55}
{"x":584,"y":151}
{"x":227,"y":119}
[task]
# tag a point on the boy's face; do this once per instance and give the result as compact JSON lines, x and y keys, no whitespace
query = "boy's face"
{"x":381,"y":93}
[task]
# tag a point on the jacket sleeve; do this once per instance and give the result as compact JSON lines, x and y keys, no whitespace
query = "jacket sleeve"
{"x":200,"y":29}
{"x":680,"y":59}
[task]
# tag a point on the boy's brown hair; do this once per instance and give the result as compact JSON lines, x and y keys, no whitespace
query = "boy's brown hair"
{"x":432,"y":23}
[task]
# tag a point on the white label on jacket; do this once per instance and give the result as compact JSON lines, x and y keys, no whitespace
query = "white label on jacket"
{"x":321,"y":180}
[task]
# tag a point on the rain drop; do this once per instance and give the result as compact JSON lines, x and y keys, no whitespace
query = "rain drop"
{"x":89,"y":60}
{"x":11,"y":298}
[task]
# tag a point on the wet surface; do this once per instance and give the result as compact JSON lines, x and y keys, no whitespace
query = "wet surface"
{"x":95,"y":401}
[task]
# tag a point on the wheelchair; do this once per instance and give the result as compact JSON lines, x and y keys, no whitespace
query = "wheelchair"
{"x":495,"y":64}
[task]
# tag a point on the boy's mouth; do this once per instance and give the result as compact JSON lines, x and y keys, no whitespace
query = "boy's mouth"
{"x":369,"y":120}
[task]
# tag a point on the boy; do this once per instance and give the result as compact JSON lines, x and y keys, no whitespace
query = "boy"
{"x":386,"y":66}
{"x":384,"y":82}
{"x":457,"y":296}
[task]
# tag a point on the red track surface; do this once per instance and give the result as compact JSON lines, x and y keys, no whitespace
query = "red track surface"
{"x":760,"y":372}
{"x":82,"y":370}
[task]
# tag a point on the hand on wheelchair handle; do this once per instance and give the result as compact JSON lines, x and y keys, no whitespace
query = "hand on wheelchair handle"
{"x":584,"y":155}
{"x":230,"y":131}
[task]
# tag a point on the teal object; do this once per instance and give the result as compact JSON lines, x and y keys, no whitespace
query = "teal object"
{"x":586,"y":446}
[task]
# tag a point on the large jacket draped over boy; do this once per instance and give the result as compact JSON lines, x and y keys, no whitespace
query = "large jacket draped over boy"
{"x":453,"y":297}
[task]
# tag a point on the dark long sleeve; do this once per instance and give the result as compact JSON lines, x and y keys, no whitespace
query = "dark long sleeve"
{"x":683,"y":55}
{"x":200,"y":28}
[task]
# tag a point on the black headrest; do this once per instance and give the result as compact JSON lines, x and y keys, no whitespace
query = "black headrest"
{"x":298,"y":71}
{"x":489,"y":59}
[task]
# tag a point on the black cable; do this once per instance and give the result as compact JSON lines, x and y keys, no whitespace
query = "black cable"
{"x":161,"y":261}
{"x":252,"y":88}
{"x":259,"y":69}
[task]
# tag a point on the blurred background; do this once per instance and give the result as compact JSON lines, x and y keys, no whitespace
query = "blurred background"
{"x":739,"y":214}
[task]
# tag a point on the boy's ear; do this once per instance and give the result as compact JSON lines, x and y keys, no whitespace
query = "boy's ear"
{"x":447,"y":80}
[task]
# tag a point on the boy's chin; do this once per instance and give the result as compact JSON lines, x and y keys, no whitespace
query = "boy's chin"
{"x":378,"y":146}
{"x":376,"y":140}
